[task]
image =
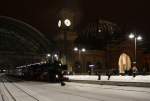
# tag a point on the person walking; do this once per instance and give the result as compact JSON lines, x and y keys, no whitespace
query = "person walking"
{"x":108,"y":74}
{"x":61,"y":79}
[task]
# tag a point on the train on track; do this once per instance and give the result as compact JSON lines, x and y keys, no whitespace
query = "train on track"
{"x":50,"y":72}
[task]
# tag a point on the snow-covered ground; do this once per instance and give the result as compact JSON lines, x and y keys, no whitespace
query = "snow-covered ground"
{"x":73,"y":92}
{"x":139,"y":78}
{"x":84,"y":92}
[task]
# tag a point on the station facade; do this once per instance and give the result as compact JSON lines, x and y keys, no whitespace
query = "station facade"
{"x":116,"y":55}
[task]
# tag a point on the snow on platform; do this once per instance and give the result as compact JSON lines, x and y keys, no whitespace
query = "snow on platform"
{"x":139,"y":78}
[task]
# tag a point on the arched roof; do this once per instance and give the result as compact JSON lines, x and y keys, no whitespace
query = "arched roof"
{"x":20,"y":43}
{"x":22,"y":36}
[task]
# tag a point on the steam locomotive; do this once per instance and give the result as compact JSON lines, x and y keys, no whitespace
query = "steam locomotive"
{"x":50,"y":72}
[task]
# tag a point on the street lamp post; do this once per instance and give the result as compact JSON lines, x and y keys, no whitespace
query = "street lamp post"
{"x":65,"y":24}
{"x":136,"y":38}
{"x":79,"y":50}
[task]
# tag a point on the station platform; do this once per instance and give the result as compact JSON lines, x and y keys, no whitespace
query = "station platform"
{"x":138,"y":81}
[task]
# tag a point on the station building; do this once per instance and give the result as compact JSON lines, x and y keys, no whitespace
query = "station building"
{"x":108,"y":48}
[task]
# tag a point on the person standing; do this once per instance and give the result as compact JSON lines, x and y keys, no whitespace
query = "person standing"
{"x":99,"y":75}
{"x":134,"y":70}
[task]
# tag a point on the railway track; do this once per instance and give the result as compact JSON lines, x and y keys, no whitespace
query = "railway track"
{"x":21,"y":95}
{"x":2,"y":96}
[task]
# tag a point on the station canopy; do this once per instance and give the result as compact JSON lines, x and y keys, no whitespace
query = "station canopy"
{"x":20,"y":43}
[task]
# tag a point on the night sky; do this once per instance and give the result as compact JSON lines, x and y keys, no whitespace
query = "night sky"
{"x":42,"y":14}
